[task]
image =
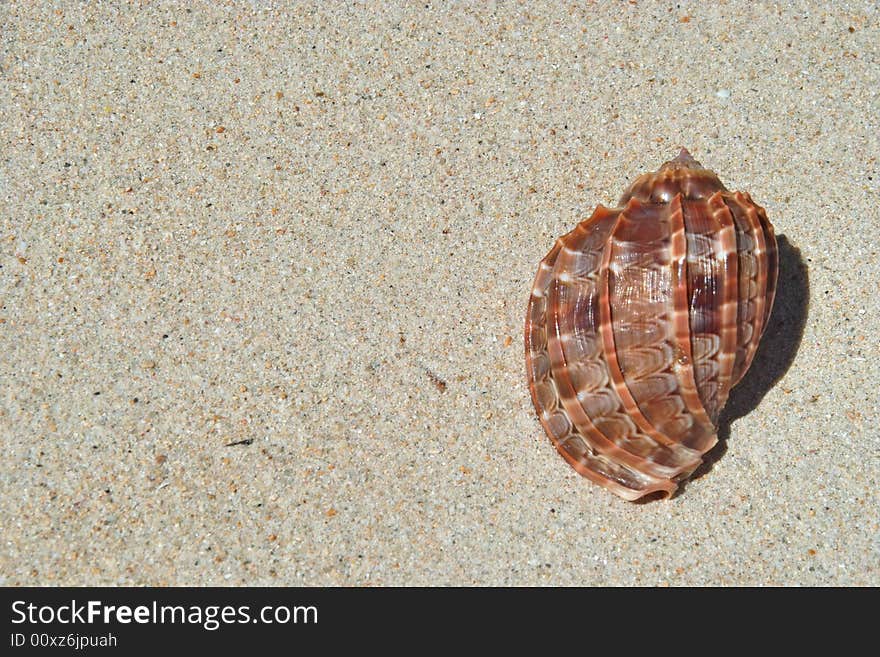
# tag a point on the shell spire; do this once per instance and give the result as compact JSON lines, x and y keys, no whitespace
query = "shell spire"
{"x":640,"y":321}
{"x":685,"y":159}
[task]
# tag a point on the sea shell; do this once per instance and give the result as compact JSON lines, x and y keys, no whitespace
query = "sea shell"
{"x":641,"y":320}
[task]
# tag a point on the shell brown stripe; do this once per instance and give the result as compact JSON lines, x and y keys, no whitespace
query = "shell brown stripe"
{"x":772,"y":258}
{"x":744,"y":210}
{"x":559,"y":312}
{"x":623,"y":481}
{"x":607,"y":333}
{"x":729,"y":263}
{"x":683,"y":364}
{"x":712,"y":295}
{"x":571,"y":301}
{"x":761,"y":278}
{"x":640,"y":287}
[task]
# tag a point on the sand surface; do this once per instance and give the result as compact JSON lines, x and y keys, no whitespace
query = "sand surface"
{"x":263,"y":277}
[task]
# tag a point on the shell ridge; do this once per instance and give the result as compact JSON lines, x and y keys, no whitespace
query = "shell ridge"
{"x":761,"y":277}
{"x":683,"y":365}
{"x":729,"y":307}
{"x":772,"y":259}
{"x":640,"y":254}
{"x":623,"y":481}
{"x":749,"y":230}
{"x":626,"y":443}
{"x":705,"y":284}
{"x":607,"y":335}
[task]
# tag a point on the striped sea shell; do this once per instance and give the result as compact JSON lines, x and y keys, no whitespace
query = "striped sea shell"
{"x":641,"y":320}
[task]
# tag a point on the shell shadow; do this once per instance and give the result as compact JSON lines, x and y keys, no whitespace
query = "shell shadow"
{"x":776,"y":351}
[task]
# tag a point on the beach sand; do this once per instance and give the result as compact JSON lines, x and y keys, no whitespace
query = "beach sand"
{"x":264,"y":276}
